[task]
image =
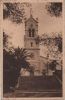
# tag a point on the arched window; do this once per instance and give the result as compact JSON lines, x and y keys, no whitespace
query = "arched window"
{"x":33,"y":31}
{"x":29,"y":32}
{"x":31,"y":44}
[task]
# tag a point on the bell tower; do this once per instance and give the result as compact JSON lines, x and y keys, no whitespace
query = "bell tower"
{"x":30,"y":44}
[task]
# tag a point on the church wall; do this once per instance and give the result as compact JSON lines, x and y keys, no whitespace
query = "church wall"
{"x":28,"y":42}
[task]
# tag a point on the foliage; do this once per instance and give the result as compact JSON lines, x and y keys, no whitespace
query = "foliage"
{"x":5,"y":40}
{"x":58,"y":42}
{"x":13,"y":61}
{"x":15,"y":11}
{"x":50,"y":41}
{"x":9,"y":70}
{"x":52,"y":65}
{"x":12,"y":64}
{"x":54,"y":9}
{"x":21,"y":57}
{"x":7,"y":44}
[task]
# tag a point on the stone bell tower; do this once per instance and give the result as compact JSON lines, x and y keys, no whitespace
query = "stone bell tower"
{"x":30,"y":44}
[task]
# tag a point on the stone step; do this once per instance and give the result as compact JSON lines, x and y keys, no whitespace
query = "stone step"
{"x":47,"y":93}
{"x":36,"y":83}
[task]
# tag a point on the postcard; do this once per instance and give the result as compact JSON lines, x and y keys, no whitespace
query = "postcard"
{"x":32,"y":49}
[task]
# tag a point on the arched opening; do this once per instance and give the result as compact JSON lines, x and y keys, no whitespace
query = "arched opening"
{"x":33,"y":31}
{"x":31,"y":44}
{"x":29,"y":32}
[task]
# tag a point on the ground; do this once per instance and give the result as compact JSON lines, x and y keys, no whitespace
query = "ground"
{"x":42,"y":86}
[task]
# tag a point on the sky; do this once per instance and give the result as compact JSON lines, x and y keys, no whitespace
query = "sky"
{"x":46,"y":24}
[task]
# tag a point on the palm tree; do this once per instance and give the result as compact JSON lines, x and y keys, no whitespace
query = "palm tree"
{"x":21,"y":58}
{"x":12,"y":64}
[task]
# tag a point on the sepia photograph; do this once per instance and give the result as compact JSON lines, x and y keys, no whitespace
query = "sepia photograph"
{"x":32,"y":49}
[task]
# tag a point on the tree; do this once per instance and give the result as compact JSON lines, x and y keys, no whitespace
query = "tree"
{"x":58,"y":43}
{"x":5,"y":40}
{"x":15,"y":11}
{"x":52,"y":43}
{"x":8,"y":70}
{"x":13,"y":61}
{"x":54,"y":9}
{"x":52,"y":65}
{"x":21,"y":58}
{"x":12,"y":64}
